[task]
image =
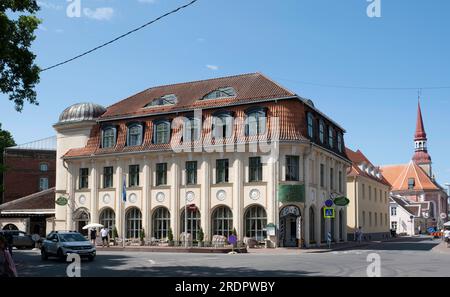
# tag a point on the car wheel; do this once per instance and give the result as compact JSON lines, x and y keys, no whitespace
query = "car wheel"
{"x":44,"y":255}
{"x":60,"y":255}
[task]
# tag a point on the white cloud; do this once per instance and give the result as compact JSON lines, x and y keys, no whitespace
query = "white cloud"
{"x":212,"y":67}
{"x":147,"y":1}
{"x":49,"y":5}
{"x":100,"y":14}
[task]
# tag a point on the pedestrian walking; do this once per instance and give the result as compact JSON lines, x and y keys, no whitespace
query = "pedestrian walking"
{"x":7,"y":266}
{"x":447,"y":237}
{"x":9,"y":242}
{"x":104,"y":233}
{"x":360,"y":234}
{"x":93,"y":235}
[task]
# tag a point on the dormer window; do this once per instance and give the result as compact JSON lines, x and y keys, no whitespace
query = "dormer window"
{"x":227,"y":92}
{"x":163,"y":101}
{"x":310,"y":125}
{"x":321,"y":131}
{"x":161,"y":132}
{"x":411,"y":183}
{"x":192,"y":129}
{"x":331,"y":137}
{"x":255,"y":123}
{"x":109,"y":137}
{"x":222,"y":125}
{"x":340,"y":142}
{"x":134,"y":136}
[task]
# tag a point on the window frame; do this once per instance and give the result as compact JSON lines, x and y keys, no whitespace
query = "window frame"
{"x":310,"y":124}
{"x":260,"y":120}
{"x":191,"y":172}
{"x":331,"y":136}
{"x":292,"y":164}
{"x":156,"y":133}
{"x":161,"y":168}
{"x":114,"y":136}
{"x":255,"y":171}
{"x":216,"y":94}
{"x":83,"y":179}
{"x":227,"y":127}
{"x":43,"y":184}
{"x":108,"y":175}
{"x":225,"y":167}
{"x":140,"y":134}
{"x":133,"y":175}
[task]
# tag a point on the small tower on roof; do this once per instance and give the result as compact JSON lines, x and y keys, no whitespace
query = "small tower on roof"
{"x":421,"y":156}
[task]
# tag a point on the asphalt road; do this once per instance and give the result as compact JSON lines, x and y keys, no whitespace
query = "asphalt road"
{"x":400,"y":258}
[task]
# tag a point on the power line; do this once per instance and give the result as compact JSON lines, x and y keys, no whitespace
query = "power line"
{"x":121,"y":36}
{"x":363,"y":87}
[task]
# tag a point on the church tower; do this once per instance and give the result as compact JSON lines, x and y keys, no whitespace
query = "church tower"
{"x":421,"y":156}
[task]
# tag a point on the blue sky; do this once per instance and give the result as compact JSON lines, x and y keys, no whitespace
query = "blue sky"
{"x":292,"y":41}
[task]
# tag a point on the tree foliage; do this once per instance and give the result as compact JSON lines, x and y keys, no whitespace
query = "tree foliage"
{"x":6,"y":140}
{"x":18,"y":72}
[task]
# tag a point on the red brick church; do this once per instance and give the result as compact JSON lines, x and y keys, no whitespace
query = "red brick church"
{"x":416,"y":182}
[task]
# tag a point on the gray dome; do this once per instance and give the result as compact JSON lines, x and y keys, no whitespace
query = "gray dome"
{"x":81,"y":112}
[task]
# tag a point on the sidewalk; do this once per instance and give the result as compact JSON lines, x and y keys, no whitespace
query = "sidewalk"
{"x":442,"y":248}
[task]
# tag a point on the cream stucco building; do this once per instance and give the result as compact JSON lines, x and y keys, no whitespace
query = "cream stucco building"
{"x":257,"y":156}
{"x":368,"y":192}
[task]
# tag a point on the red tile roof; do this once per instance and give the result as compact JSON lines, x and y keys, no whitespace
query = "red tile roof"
{"x":398,"y":176}
{"x":357,"y":159}
{"x":249,"y":88}
{"x":41,"y":201}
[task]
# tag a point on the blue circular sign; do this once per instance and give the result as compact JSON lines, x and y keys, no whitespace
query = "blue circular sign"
{"x":329,"y":203}
{"x":232,"y":239}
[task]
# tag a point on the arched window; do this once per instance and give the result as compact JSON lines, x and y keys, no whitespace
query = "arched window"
{"x":161,"y":133}
{"x":321,"y":131}
{"x":135,"y":133}
{"x":222,"y":221}
{"x":312,"y":229}
{"x":161,"y":223}
{"x":191,"y":130}
{"x":81,"y":220}
{"x":331,"y":137}
{"x":11,"y":227}
{"x":256,"y":222}
{"x":310,"y":120}
{"x":108,"y":137}
{"x":108,"y":219}
{"x":222,"y":126}
{"x":133,"y":222}
{"x":193,"y":221}
{"x":221,"y":93}
{"x":255,"y":122}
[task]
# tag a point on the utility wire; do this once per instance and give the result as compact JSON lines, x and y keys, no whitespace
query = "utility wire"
{"x":121,"y":36}
{"x":363,"y":87}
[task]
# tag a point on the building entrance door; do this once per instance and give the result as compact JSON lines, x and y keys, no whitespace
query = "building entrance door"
{"x":289,"y":217}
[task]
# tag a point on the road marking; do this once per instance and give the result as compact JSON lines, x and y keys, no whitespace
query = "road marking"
{"x":152,"y":262}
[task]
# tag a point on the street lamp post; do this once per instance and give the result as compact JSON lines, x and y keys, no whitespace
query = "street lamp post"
{"x":185,"y":209}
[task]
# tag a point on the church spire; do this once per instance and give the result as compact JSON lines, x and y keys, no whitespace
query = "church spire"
{"x":421,"y":156}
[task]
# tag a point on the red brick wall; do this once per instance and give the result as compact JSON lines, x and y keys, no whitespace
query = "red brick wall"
{"x":23,"y":172}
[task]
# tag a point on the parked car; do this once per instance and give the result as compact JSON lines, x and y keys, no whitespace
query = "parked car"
{"x":61,"y":243}
{"x":20,"y":239}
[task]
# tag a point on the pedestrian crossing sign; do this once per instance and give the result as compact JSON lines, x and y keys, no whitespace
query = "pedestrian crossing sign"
{"x":329,"y":213}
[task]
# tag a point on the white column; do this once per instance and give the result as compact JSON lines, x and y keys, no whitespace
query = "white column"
{"x":238,"y":204}
{"x":119,"y":204}
{"x":94,"y":193}
{"x":205,"y":191}
{"x":306,"y":225}
{"x":146,"y":219}
{"x":175,"y":198}
{"x":336,"y":225}
{"x":71,"y":203}
{"x":318,"y":226}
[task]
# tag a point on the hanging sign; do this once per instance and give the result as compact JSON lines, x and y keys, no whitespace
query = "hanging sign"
{"x":62,"y":201}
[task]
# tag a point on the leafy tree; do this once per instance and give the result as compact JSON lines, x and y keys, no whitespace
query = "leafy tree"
{"x":6,"y":140}
{"x":18,"y":72}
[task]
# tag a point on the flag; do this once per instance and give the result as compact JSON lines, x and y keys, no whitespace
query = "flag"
{"x":124,"y":191}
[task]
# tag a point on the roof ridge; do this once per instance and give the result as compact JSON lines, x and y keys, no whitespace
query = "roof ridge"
{"x":190,"y":82}
{"x":26,"y":198}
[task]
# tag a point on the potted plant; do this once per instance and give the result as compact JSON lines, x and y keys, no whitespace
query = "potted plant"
{"x":200,"y":237}
{"x":142,"y":237}
{"x":170,"y":237}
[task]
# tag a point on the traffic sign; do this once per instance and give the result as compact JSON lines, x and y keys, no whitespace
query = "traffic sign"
{"x":329,"y":213}
{"x":329,"y":203}
{"x":232,"y":239}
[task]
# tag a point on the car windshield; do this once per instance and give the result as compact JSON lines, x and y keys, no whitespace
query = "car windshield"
{"x":72,"y":237}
